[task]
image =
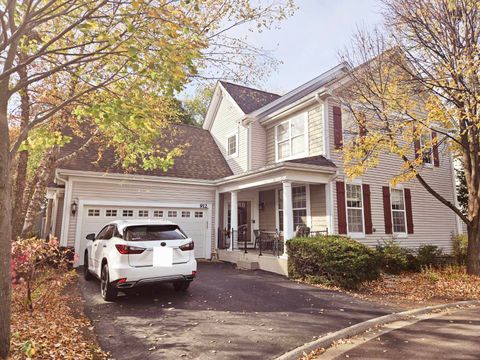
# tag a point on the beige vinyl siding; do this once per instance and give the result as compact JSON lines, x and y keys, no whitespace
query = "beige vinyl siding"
{"x":267,"y":217}
{"x":128,"y":190}
{"x":433,"y":222}
{"x":225,"y":123}
{"x":270,"y":153}
{"x":258,"y":157}
{"x":318,"y":209}
{"x":315,"y":133}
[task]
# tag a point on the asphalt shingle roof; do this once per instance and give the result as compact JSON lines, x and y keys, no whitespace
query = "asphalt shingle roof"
{"x":249,"y":99}
{"x":201,"y":159}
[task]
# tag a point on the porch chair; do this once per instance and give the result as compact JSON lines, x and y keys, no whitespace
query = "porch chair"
{"x":302,"y":231}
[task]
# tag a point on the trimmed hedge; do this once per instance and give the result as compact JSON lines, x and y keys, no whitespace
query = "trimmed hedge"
{"x":332,"y":260}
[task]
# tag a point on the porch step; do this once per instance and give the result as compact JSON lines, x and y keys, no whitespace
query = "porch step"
{"x":248,"y":265}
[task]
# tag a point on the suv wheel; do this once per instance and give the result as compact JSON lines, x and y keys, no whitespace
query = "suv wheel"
{"x":86,"y":273}
{"x":109,"y":292}
{"x":181,"y":285}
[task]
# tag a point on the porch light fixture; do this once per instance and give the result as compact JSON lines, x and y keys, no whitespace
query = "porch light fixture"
{"x":74,"y":207}
{"x":261,"y":206}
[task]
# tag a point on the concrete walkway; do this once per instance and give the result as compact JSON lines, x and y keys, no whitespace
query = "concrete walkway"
{"x":454,"y":335}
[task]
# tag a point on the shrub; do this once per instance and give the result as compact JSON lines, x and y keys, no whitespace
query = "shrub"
{"x":31,"y":260}
{"x":394,"y":259}
{"x":459,"y":248}
{"x":332,"y":260}
{"x":429,"y":255}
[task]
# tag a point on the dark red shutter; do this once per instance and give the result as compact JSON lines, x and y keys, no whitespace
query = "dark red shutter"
{"x":341,"y":208}
{"x":436,"y":158}
{"x":387,"y":210}
{"x":367,"y":209}
{"x":408,"y":209}
{"x":337,"y":127}
{"x":416,"y":144}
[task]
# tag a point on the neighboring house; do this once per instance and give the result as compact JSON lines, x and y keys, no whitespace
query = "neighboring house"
{"x":261,"y":162}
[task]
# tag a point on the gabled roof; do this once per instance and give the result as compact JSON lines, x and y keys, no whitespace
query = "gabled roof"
{"x":248,"y":99}
{"x":201,"y":160}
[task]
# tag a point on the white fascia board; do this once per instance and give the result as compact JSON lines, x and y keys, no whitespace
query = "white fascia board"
{"x":213,"y":107}
{"x":323,"y":78}
{"x":147,"y":178}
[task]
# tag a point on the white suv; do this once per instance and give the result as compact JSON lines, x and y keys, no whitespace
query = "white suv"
{"x":129,"y":253}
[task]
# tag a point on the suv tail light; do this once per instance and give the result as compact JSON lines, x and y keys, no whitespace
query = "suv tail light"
{"x":186,"y":247}
{"x":125,"y":249}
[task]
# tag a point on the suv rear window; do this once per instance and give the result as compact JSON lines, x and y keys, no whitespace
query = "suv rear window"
{"x":154,"y":232}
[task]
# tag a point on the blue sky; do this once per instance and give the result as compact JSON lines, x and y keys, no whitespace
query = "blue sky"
{"x":308,"y":43}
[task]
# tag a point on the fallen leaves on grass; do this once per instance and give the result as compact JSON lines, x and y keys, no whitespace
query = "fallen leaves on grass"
{"x":54,"y":330}
{"x":450,"y":283}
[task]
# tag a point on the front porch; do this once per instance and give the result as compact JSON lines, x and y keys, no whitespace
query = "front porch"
{"x":256,"y":218}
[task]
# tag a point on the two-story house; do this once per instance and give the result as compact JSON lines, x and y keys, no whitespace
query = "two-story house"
{"x":262,"y":166}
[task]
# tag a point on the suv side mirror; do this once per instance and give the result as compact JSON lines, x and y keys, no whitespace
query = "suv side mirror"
{"x":90,"y":237}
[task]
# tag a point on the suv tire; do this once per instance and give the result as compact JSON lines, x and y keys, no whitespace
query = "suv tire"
{"x":181,"y":285}
{"x":108,"y":291}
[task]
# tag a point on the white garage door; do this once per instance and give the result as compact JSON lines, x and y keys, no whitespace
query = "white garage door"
{"x":192,"y":221}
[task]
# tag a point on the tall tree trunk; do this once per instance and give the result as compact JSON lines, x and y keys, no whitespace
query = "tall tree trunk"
{"x":473,"y":250}
{"x":19,"y":206}
{"x":5,"y":232}
{"x":46,"y":169}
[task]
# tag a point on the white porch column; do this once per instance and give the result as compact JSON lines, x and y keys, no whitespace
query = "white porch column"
{"x":288,"y":230}
{"x":234,"y":218}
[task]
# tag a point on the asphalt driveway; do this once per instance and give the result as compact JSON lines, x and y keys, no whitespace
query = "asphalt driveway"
{"x":226,"y":314}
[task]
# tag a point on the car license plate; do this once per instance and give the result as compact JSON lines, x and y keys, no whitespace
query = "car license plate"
{"x":163,"y":256}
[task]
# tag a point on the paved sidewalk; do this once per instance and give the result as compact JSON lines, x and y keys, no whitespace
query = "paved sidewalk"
{"x":455,"y":335}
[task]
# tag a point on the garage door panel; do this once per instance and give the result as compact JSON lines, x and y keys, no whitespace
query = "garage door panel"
{"x":194,"y":224}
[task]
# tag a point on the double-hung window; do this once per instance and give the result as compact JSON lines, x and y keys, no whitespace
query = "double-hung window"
{"x":425,"y":143}
{"x":299,"y":204}
{"x":232,"y":145}
{"x":354,"y":208}
{"x":398,"y":211}
{"x":291,"y":138}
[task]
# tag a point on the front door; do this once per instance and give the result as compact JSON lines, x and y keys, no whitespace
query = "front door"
{"x":244,"y":221}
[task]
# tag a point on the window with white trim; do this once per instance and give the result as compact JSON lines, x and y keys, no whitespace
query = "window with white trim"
{"x":354,"y":202}
{"x":142,"y":213}
{"x":397,"y":200}
{"x":232,"y":145}
{"x":199,"y":214}
{"x":93,"y":212}
{"x":110,"y":212}
{"x":185,"y":214}
{"x":299,"y":204}
{"x":291,"y":138}
{"x":172,"y":213}
{"x":158,"y":213}
{"x":425,"y":146}
{"x":127,"y":213}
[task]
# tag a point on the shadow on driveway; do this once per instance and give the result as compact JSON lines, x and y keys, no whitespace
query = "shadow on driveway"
{"x":226,"y":314}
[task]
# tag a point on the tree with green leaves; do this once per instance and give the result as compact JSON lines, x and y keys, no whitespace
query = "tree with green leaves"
{"x":109,"y":69}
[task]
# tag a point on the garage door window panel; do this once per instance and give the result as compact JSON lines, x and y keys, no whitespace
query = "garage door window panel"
{"x":158,"y":213}
{"x":142,"y":213}
{"x":199,"y":214}
{"x":172,"y":213}
{"x":93,"y":212}
{"x":110,"y":212}
{"x":127,"y":213}
{"x":185,"y":214}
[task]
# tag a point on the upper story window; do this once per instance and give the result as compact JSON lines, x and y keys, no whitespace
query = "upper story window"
{"x":354,"y":208}
{"x":398,"y":211}
{"x":427,"y":156}
{"x":291,"y":138}
{"x":232,"y":145}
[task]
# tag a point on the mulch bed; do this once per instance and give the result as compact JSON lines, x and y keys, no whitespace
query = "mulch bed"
{"x":57,"y":327}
